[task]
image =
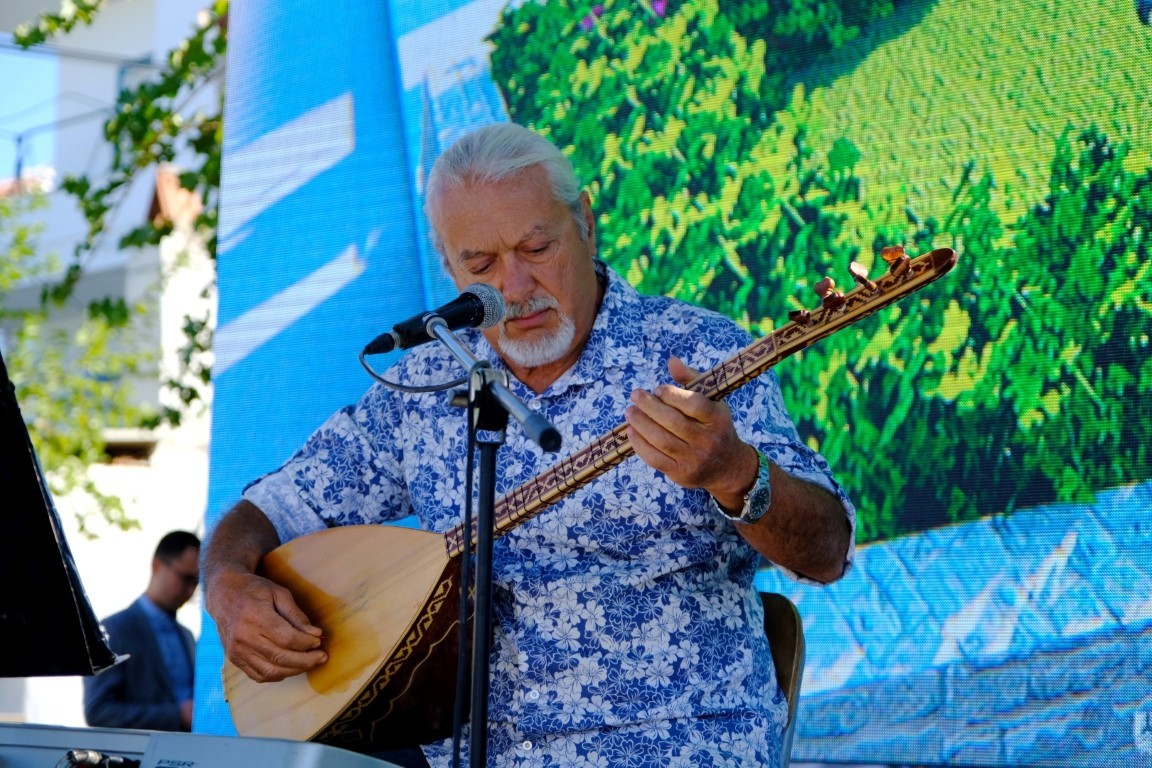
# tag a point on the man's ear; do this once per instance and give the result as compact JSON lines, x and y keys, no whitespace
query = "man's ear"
{"x":589,"y":217}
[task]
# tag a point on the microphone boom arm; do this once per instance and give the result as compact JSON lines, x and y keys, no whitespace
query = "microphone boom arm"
{"x":538,"y":428}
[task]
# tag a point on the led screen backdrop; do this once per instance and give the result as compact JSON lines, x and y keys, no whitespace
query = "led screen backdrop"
{"x":992,"y":430}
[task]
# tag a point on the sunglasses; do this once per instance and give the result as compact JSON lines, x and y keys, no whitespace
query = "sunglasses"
{"x":189,"y":579}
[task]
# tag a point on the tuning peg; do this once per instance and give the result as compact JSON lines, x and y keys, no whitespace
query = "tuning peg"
{"x":832,"y":298}
{"x":891,"y":253}
{"x":898,"y":261}
{"x":800,"y":316}
{"x":860,"y":275}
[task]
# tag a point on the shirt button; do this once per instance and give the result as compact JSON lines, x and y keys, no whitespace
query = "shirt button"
{"x":525,"y":745}
{"x":533,"y":695}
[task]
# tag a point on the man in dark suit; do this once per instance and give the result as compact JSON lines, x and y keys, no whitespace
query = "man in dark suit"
{"x":152,"y":687}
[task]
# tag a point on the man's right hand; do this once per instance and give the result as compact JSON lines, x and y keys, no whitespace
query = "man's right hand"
{"x":262,"y":630}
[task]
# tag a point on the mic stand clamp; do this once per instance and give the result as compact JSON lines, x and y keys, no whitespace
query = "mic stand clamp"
{"x":490,"y":402}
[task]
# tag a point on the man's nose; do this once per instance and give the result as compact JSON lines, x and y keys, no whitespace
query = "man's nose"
{"x":519,"y":283}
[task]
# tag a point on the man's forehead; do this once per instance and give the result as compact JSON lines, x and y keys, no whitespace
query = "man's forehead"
{"x":191,"y":554}
{"x":511,"y":219}
{"x":483,"y":245}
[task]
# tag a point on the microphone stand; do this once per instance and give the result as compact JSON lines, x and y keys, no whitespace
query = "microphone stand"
{"x":490,"y":402}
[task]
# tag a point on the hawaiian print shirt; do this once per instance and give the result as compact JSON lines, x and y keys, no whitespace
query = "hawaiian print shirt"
{"x":627,"y":630}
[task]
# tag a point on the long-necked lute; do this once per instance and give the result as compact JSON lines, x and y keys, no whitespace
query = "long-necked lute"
{"x":388,"y":598}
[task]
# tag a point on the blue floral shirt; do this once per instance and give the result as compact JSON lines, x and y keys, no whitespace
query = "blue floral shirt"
{"x":627,"y":630}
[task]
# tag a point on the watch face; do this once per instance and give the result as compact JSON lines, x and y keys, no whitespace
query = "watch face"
{"x":760,"y":497}
{"x":758,"y":502}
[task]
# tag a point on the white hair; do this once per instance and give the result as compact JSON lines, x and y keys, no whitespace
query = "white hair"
{"x":497,"y":152}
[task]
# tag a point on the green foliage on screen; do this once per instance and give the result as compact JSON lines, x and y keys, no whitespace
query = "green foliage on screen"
{"x":942,"y":82}
{"x":698,"y":183}
{"x":1021,"y":378}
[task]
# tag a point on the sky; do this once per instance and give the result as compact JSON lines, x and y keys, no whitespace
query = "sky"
{"x":27,"y":107}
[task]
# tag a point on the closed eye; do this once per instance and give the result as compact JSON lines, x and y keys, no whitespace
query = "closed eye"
{"x":539,"y":250}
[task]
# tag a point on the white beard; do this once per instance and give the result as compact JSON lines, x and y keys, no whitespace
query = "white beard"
{"x":539,"y":351}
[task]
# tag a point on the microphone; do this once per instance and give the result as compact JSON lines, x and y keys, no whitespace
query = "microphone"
{"x":478,"y":306}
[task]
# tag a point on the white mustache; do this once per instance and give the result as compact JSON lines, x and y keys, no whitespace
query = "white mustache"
{"x":529,"y":306}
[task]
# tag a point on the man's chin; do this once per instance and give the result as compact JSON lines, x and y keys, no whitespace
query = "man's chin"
{"x":526,"y":336}
{"x":534,"y":347}
{"x":531,"y":352}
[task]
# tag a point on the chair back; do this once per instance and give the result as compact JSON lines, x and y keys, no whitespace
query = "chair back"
{"x":785,"y":632}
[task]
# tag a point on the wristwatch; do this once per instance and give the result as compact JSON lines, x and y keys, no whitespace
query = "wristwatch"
{"x":759,"y":498}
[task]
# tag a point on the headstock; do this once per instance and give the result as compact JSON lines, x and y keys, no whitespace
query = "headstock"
{"x":899,"y":269}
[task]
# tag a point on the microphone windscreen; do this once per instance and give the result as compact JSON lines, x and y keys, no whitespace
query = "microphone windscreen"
{"x":492,"y":301}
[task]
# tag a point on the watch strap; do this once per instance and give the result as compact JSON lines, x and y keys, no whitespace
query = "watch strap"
{"x":759,"y":496}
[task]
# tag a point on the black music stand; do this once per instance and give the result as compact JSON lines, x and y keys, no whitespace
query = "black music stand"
{"x":48,"y":625}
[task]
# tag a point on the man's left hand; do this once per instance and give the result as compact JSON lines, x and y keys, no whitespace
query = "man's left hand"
{"x":691,"y":439}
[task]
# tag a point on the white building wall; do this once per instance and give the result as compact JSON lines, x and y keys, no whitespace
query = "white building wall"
{"x":170,"y":491}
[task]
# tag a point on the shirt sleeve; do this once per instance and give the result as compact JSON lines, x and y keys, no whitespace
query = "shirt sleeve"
{"x":763,"y":421}
{"x":347,"y":473}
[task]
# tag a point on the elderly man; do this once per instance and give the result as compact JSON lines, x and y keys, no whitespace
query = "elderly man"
{"x":626,"y":628}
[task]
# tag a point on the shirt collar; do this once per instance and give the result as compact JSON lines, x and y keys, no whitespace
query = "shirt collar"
{"x":612,"y":341}
{"x":155,"y":612}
